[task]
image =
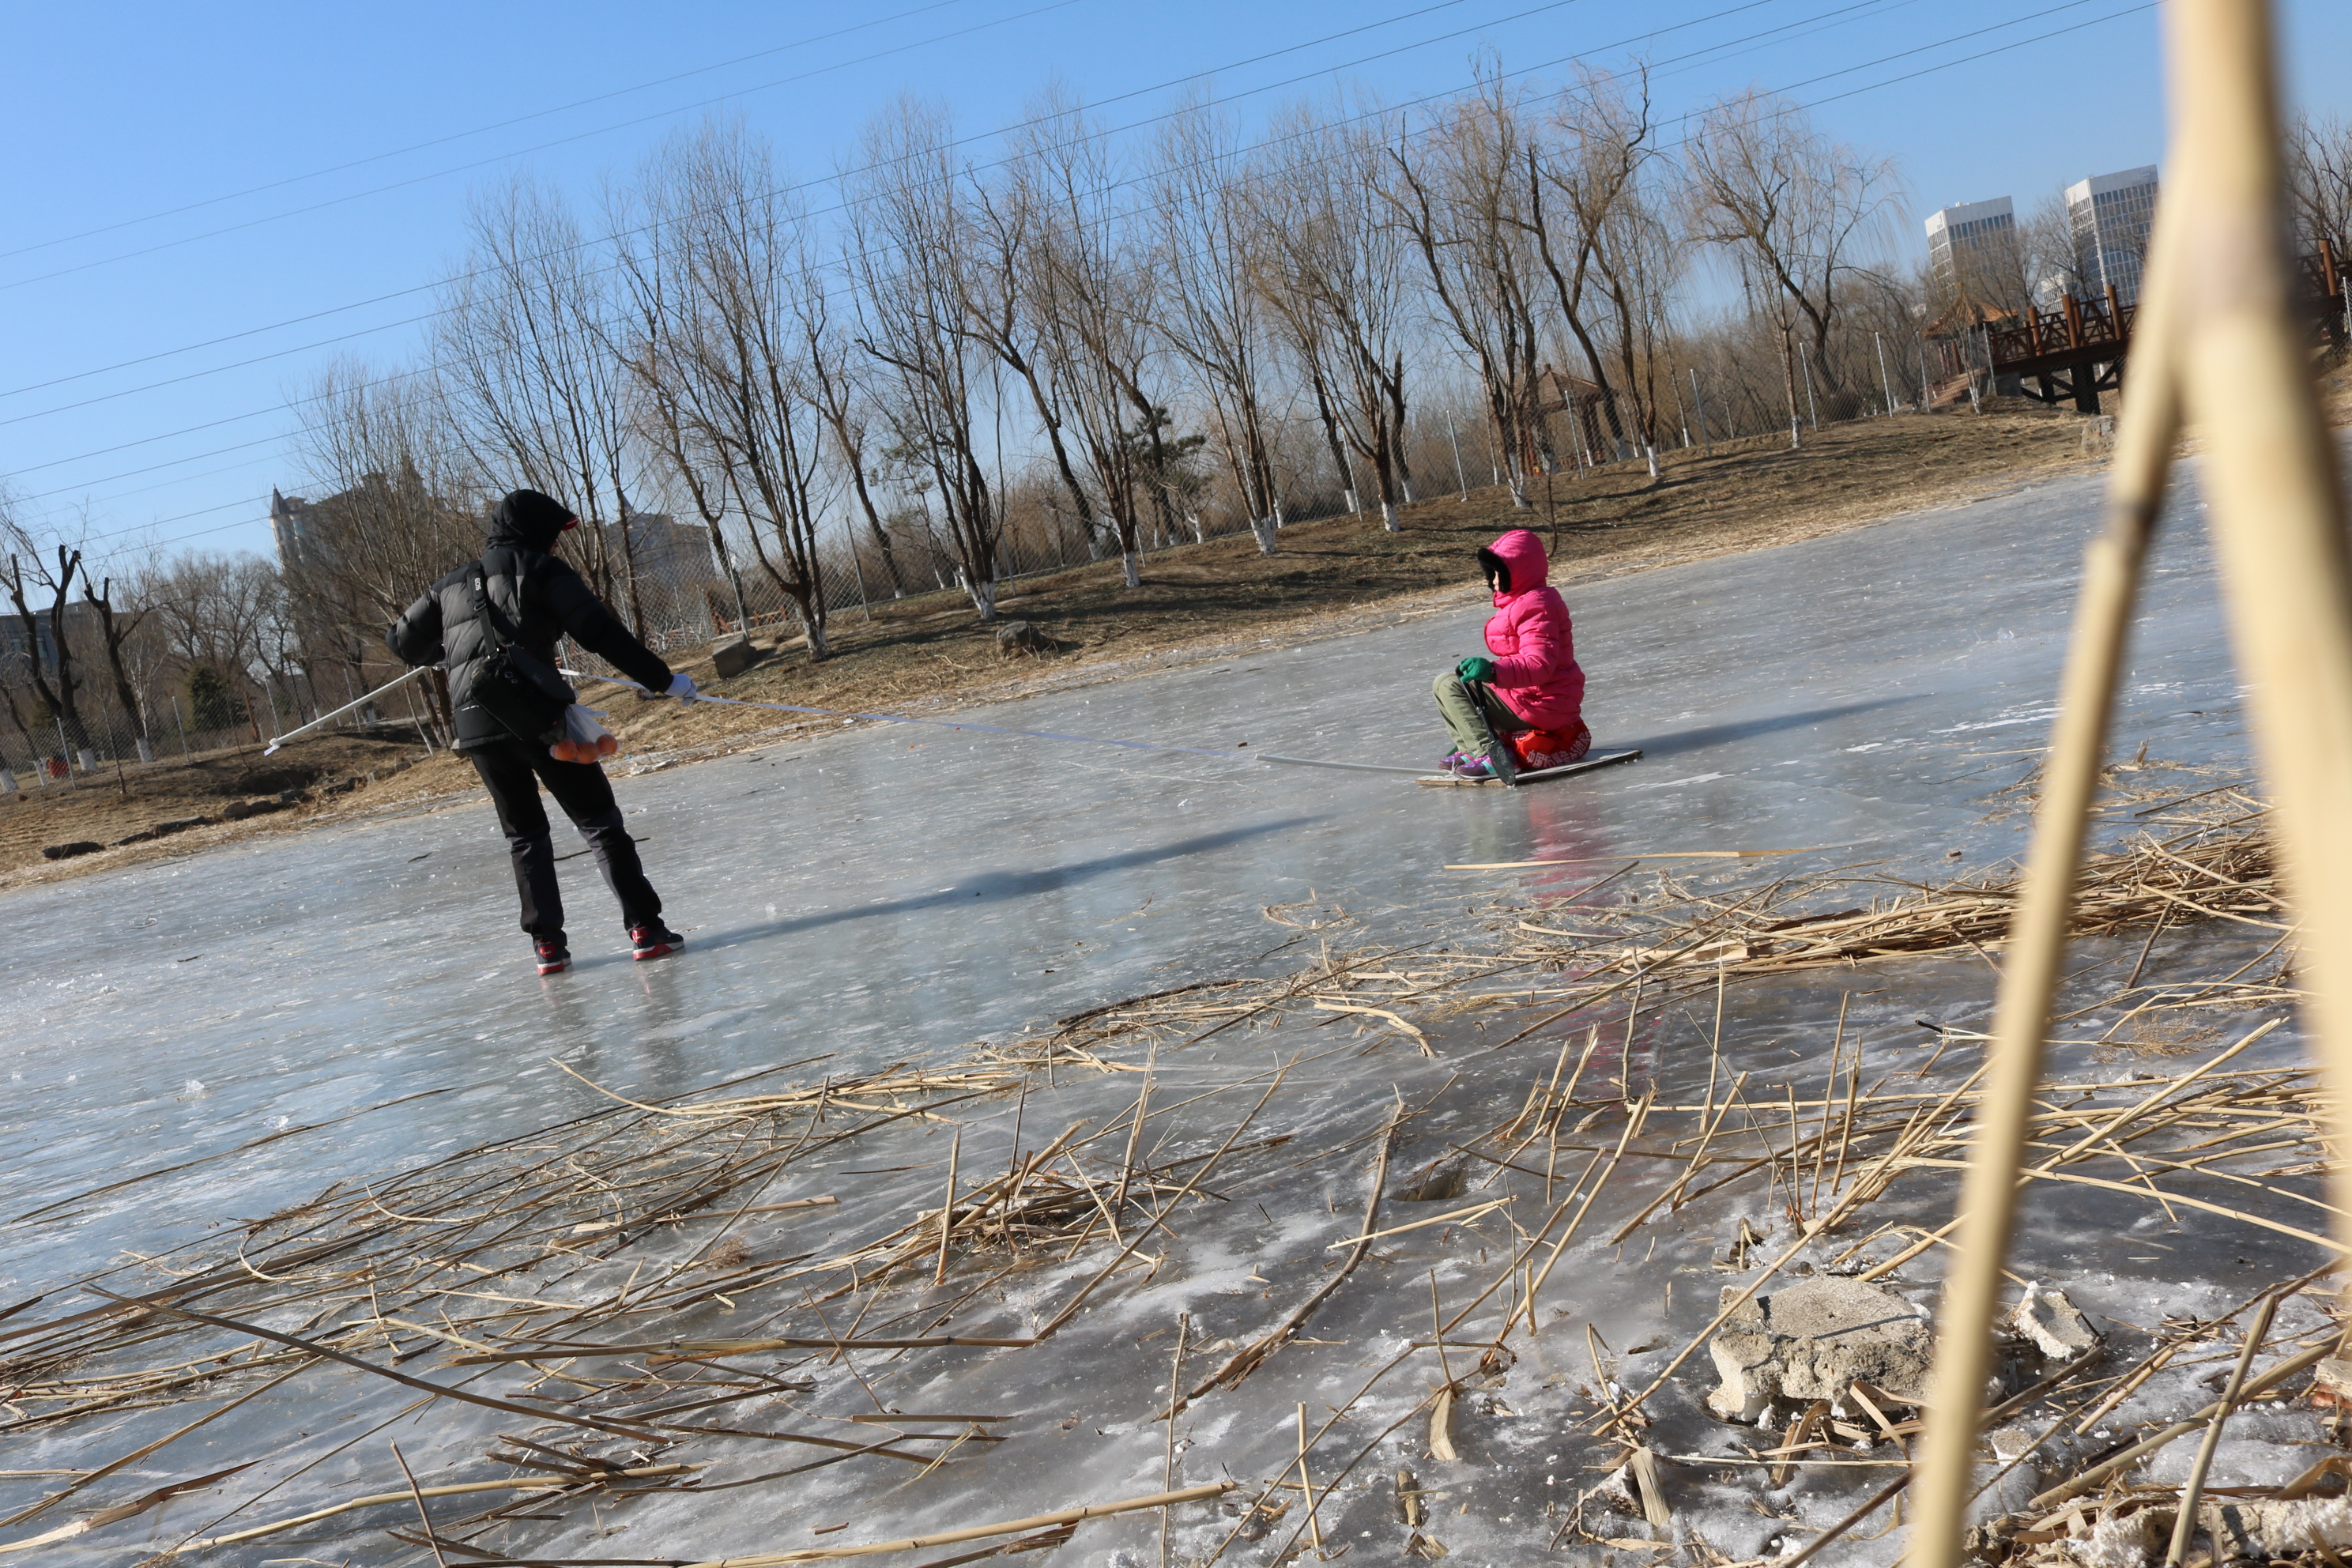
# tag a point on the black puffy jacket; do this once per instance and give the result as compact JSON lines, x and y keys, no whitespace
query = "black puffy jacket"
{"x":537,"y":594}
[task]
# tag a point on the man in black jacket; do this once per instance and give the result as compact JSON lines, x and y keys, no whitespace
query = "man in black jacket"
{"x":539,"y":598}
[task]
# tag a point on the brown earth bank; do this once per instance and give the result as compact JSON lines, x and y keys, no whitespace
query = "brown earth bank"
{"x":929,"y":652}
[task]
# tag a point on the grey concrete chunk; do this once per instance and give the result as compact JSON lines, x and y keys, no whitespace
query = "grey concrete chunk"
{"x":1813,"y":1341}
{"x":2056,"y":1327}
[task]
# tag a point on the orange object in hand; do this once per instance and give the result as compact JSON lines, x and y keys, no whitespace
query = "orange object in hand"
{"x":605,"y":746}
{"x":562,"y":750}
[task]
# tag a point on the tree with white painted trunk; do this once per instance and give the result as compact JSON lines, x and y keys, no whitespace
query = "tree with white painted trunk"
{"x":1207,"y":251}
{"x":718,"y":266}
{"x":1457,"y":189}
{"x":1803,"y":214}
{"x":908,"y":247}
{"x":1336,"y":277}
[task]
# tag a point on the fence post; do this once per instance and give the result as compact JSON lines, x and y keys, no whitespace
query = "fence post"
{"x":1454,"y":436}
{"x":1700,"y":405}
{"x":1885,"y":379}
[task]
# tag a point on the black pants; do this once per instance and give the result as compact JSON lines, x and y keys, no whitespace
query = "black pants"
{"x":513,"y":773}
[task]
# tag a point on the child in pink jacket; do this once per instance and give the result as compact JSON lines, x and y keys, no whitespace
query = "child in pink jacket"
{"x":1523,"y":707}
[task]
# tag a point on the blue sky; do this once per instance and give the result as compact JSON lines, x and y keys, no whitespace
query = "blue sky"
{"x":256,"y":179}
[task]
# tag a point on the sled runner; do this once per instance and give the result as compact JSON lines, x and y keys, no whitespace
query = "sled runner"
{"x":1538,"y":776}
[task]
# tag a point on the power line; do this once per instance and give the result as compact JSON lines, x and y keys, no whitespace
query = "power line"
{"x":1132,"y":125}
{"x":1868,"y":87}
{"x":427,"y":287}
{"x":477,"y":131}
{"x":798,"y":185}
{"x":540,"y":147}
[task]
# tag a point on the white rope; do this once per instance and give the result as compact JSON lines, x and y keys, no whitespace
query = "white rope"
{"x":1032,"y":734}
{"x":329,"y":718}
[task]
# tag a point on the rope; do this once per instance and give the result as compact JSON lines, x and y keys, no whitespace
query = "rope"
{"x":1030,"y":735}
{"x":356,"y":702}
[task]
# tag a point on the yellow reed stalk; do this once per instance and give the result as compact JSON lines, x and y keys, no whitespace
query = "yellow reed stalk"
{"x":2277,"y":504}
{"x":1940,"y":1487}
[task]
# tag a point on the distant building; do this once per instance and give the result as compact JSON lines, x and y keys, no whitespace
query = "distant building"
{"x":1955,"y":232}
{"x":2110,"y":214}
{"x":294,"y":529}
{"x":662,"y":550}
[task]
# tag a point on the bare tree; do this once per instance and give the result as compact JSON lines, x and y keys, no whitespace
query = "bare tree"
{"x":1003,"y":314}
{"x":1334,"y":275}
{"x":1209,"y":251}
{"x":2319,"y":181}
{"x":1091,"y":298}
{"x":219,"y":614}
{"x":536,"y":384}
{"x":115,"y":628}
{"x":402,"y":505}
{"x":907,"y":231}
{"x":48,"y":634}
{"x":842,"y":397}
{"x":1800,"y":211}
{"x":723,"y":290}
{"x":1459,"y":193}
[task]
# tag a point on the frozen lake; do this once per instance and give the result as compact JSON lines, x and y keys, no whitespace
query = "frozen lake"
{"x":898,"y":890}
{"x":892,"y":893}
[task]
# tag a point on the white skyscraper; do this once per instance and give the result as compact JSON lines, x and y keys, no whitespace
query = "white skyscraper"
{"x":2110,"y":214}
{"x":1955,"y":231}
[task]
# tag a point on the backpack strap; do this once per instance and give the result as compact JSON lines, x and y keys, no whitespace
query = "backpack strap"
{"x":503,"y":632}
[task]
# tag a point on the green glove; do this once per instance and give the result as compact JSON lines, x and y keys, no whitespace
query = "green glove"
{"x":1476,"y":668}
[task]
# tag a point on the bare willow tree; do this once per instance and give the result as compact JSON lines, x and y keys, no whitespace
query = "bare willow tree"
{"x":402,"y":505}
{"x":219,"y":614}
{"x":1208,"y":251}
{"x":1635,"y":262}
{"x":718,"y":266}
{"x":907,"y":234}
{"x":1334,"y":276}
{"x":2319,"y":182}
{"x":1090,"y":289}
{"x":1004,"y":315}
{"x":534,"y":379}
{"x":843,"y":397}
{"x":1800,"y":211}
{"x":1580,"y":179}
{"x":1459,"y":192}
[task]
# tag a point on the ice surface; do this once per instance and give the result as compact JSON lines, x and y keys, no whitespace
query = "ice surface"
{"x":356,"y":1000}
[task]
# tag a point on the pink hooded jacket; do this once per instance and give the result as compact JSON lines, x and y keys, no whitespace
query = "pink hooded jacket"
{"x":1534,"y":645}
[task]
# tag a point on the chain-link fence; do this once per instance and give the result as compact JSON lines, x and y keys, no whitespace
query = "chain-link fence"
{"x":50,"y":756}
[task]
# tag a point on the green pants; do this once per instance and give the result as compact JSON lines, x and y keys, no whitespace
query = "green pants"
{"x":1476,"y":718}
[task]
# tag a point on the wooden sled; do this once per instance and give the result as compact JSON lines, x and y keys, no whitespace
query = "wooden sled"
{"x":1607,"y":759}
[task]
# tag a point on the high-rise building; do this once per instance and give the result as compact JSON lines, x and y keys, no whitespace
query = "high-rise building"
{"x":2110,"y":214}
{"x":294,"y":528}
{"x":1955,"y":232}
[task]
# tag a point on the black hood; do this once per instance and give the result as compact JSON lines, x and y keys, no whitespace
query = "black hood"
{"x":528,"y":518}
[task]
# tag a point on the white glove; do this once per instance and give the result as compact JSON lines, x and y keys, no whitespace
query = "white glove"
{"x":681,"y":685}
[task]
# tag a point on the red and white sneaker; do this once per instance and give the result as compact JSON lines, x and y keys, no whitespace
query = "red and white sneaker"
{"x":653,"y":941}
{"x":554,"y":958}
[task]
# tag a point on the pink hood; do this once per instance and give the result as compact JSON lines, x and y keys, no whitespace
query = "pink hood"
{"x":1530,"y":637}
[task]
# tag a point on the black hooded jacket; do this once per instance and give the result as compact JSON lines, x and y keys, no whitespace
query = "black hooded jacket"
{"x":535,"y":593}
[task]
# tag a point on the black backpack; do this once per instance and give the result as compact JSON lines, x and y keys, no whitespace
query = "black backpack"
{"x":513,"y":685}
